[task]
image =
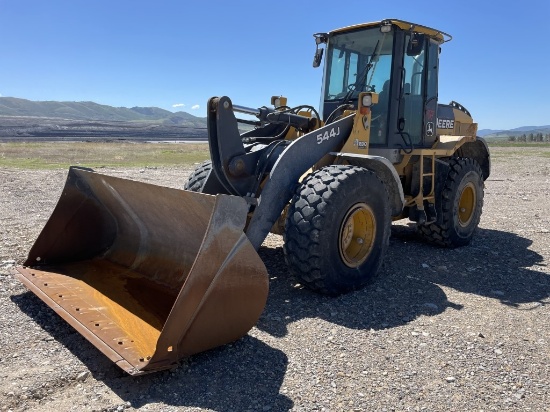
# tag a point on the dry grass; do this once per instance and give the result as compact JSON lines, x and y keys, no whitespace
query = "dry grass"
{"x":527,"y":151}
{"x":54,"y":155}
{"x":60,"y":155}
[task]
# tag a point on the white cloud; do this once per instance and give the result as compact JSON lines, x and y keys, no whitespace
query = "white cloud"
{"x":179,"y":105}
{"x":195,"y":107}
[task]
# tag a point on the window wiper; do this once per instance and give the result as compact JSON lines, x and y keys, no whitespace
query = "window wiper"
{"x":362,"y":77}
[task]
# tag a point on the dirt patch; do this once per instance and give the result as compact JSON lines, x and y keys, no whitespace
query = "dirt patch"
{"x":439,"y":329}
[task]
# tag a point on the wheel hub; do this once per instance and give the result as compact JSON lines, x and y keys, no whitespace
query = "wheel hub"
{"x":467,"y":204}
{"x":357,"y":235}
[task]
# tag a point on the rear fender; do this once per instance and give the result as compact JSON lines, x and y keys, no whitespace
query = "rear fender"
{"x":479,"y":151}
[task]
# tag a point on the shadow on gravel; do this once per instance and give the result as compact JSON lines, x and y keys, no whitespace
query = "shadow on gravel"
{"x":248,"y":374}
{"x":245,"y":375}
{"x":495,"y":265}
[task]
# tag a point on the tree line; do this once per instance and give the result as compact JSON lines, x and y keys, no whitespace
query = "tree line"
{"x":531,"y":137}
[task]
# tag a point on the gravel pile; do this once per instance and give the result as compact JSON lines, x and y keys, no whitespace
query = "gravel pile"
{"x":458,"y":330}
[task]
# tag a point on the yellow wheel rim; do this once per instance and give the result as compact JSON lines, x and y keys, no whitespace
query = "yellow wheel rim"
{"x":467,"y":204}
{"x":357,"y":235}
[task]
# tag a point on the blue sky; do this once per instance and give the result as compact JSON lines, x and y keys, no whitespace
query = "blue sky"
{"x":166,"y":53}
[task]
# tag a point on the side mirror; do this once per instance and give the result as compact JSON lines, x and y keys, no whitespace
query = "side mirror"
{"x":416,"y":44}
{"x":318,"y":57}
{"x":320,"y":38}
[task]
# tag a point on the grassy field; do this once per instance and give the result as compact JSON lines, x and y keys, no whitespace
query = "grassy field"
{"x":53,"y":155}
{"x":56,"y":155}
{"x":506,"y":143}
{"x":527,"y":151}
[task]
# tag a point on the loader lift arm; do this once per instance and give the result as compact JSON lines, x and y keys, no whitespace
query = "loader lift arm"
{"x":235,"y":167}
{"x":239,"y":168}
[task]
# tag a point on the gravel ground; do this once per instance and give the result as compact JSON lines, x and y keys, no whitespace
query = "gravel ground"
{"x":439,"y":330}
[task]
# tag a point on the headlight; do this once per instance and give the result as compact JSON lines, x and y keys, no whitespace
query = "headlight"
{"x":367,"y":100}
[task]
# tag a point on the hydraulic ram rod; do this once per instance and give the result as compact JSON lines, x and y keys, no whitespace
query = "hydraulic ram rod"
{"x":277,"y":116}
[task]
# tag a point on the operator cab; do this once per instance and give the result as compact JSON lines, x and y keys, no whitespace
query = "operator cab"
{"x":398,"y":61}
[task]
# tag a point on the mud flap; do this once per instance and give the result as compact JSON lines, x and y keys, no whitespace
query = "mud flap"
{"x":147,"y":274}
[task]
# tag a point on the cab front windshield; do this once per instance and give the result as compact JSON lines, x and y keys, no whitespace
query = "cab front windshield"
{"x":358,"y":61}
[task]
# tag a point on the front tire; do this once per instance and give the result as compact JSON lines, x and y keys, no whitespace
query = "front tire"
{"x":461,"y":206}
{"x":197,"y":179}
{"x":337,"y":229}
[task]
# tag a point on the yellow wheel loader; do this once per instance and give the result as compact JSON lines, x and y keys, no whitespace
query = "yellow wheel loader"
{"x":150,"y":274}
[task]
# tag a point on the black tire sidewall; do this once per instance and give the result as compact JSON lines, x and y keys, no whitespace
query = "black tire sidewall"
{"x":352,"y":194}
{"x":461,"y":235}
{"x":353,"y":185}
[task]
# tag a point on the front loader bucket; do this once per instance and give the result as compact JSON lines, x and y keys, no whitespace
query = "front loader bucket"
{"x":147,"y":274}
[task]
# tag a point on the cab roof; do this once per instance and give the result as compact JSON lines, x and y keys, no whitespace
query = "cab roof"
{"x":435,"y":34}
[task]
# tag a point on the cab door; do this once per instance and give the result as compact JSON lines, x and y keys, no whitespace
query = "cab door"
{"x":418,"y":105}
{"x":413,"y":89}
{"x":430,"y":107}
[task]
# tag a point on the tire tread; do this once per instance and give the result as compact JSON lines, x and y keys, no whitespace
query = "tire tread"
{"x":305,"y":221}
{"x":441,"y":232}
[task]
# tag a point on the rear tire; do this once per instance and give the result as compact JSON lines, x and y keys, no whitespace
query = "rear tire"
{"x":337,"y":229}
{"x":461,"y":206}
{"x":197,"y":179}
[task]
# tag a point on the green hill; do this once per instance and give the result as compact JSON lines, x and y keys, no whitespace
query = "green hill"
{"x":12,"y":106}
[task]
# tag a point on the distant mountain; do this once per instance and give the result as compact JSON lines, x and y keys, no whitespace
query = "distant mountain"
{"x":27,"y":120}
{"x":538,"y":129}
{"x":485,"y":132}
{"x":12,"y":106}
{"x":518,"y":131}
{"x":55,"y":115}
